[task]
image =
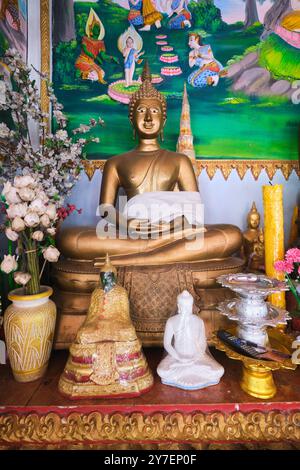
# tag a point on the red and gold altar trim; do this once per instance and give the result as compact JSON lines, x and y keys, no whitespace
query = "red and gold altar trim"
{"x":225,"y":166}
{"x":230,"y":423}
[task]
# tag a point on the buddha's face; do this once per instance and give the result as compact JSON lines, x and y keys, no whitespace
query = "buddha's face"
{"x":108,"y":280}
{"x":148,"y":118}
{"x":185,"y":306}
{"x":254,"y":220}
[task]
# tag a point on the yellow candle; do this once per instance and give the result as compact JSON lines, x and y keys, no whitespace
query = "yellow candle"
{"x":274,"y":236}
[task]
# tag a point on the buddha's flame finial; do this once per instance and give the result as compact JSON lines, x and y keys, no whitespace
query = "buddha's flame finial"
{"x":253,"y":208}
{"x":185,"y":140}
{"x":108,"y":267}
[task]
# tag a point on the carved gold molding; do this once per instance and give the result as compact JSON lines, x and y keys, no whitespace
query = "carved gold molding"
{"x":45,"y":51}
{"x":93,"y":427}
{"x":225,"y":166}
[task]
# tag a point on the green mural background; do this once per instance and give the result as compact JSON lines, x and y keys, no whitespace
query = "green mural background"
{"x":227,"y":123}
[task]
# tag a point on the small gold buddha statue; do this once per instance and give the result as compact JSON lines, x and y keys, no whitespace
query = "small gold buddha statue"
{"x":253,"y":241}
{"x":106,"y":358}
{"x":145,"y":171}
{"x":258,"y":256}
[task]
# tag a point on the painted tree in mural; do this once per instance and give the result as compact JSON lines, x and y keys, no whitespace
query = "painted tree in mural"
{"x":64,"y":21}
{"x":251,"y":13}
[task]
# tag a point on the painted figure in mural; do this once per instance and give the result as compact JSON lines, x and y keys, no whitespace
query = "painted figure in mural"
{"x":93,"y":54}
{"x":288,"y":27}
{"x":150,"y":15}
{"x":135,"y":16}
{"x":180,"y":16}
{"x":10,"y":10}
{"x":130,"y":44}
{"x":209,"y":69}
{"x":188,"y":364}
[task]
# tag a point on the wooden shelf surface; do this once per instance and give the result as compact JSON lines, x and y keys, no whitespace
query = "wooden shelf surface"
{"x":226,"y":396}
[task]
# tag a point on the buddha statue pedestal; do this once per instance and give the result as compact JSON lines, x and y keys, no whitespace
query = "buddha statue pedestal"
{"x":165,"y":259}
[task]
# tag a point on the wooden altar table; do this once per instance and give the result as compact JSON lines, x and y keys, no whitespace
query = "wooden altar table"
{"x":35,"y":414}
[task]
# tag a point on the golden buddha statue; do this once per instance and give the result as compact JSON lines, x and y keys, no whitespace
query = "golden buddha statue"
{"x":106,"y":358}
{"x":253,"y":241}
{"x":149,"y":169}
{"x":181,"y":255}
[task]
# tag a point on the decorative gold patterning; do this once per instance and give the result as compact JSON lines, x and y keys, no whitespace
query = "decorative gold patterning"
{"x":225,"y":166}
{"x":45,"y":51}
{"x":160,"y":427}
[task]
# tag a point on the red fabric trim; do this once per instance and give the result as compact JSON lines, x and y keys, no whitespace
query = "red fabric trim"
{"x":119,"y":358}
{"x":125,"y":376}
{"x":72,"y":376}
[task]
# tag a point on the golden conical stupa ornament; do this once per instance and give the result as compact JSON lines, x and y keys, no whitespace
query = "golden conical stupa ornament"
{"x":185,"y":141}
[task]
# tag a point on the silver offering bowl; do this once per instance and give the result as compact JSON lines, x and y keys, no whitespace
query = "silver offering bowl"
{"x":250,"y":309}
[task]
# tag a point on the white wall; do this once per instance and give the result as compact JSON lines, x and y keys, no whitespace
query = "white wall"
{"x":224,"y":201}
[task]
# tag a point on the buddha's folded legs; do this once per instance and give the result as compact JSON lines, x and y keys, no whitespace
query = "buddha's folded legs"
{"x":219,"y":241}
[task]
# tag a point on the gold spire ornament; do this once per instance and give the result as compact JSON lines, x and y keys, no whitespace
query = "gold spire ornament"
{"x":185,"y":141}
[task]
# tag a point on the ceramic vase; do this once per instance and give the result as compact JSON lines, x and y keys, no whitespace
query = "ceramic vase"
{"x":29,"y":324}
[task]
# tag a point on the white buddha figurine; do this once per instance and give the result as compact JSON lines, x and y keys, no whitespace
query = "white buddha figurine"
{"x":188,"y":364}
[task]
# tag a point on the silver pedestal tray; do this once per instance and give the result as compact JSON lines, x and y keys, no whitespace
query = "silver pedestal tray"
{"x":250,"y":309}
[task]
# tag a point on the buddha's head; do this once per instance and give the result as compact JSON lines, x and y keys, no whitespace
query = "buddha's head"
{"x":185,"y":303}
{"x":108,"y":275}
{"x":147,"y":108}
{"x":253,"y":218}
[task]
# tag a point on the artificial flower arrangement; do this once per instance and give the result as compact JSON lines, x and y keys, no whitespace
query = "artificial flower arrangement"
{"x":36,"y":177}
{"x":290,"y":266}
